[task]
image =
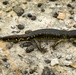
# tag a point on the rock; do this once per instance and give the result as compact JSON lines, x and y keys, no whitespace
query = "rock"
{"x":74,"y":26}
{"x":25,"y":72}
{"x":68,"y":57}
{"x":2,"y":45}
{"x":18,"y":10}
{"x":61,"y":16}
{"x":69,"y":5}
{"x":55,"y":15}
{"x":39,"y":5}
{"x":33,"y":18}
{"x":47,"y":61}
{"x":9,"y":9}
{"x":1,"y":51}
{"x":25,"y":44}
{"x":5,"y":2}
{"x":5,"y":59}
{"x":9,"y":45}
{"x":71,"y":24}
{"x":29,"y":15}
{"x":47,"y":71}
{"x":42,"y":10}
{"x":29,"y":49}
{"x":73,"y":65}
{"x":20,"y":26}
{"x":32,"y":69}
{"x":67,"y":63}
{"x":71,"y":12}
{"x":54,"y":62}
{"x":74,"y":17}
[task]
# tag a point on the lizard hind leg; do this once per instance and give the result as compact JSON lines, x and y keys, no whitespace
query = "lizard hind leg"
{"x":57,"y":42}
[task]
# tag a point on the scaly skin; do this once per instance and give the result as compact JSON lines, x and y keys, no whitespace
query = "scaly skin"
{"x":42,"y":34}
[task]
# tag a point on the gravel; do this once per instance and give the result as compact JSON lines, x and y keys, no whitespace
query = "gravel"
{"x":54,"y":62}
{"x":19,"y":17}
{"x":20,"y":26}
{"x":18,"y":10}
{"x":69,"y":57}
{"x":47,"y":71}
{"x":29,"y":49}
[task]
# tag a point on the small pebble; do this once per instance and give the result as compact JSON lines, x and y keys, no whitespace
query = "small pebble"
{"x":61,"y":16}
{"x":59,"y":56}
{"x":47,"y":71}
{"x":42,"y":10}
{"x":71,"y":12}
{"x":25,"y":72}
{"x":73,"y":65}
{"x":20,"y":26}
{"x":68,"y":57}
{"x":29,"y":15}
{"x":55,"y":15}
{"x":74,"y":27}
{"x":25,"y":44}
{"x":39,"y":4}
{"x":29,"y":49}
{"x":71,"y":24}
{"x":7,"y":65}
{"x":5,"y":2}
{"x":20,"y":56}
{"x":5,"y":59}
{"x":33,"y":18}
{"x":69,"y":5}
{"x":47,"y":61}
{"x":67,"y":63}
{"x":18,"y":10}
{"x":9,"y":45}
{"x":54,"y":62}
{"x":32,"y":71}
{"x":70,"y":17}
{"x":74,"y":17}
{"x":13,"y":27}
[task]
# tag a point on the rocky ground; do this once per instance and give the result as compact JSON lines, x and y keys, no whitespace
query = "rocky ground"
{"x":24,"y":58}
